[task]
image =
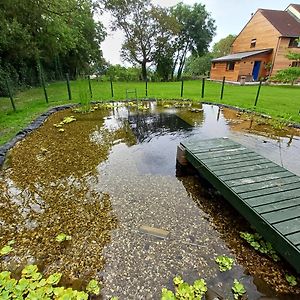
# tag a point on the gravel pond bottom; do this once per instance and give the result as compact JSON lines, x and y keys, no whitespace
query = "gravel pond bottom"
{"x":112,"y":172}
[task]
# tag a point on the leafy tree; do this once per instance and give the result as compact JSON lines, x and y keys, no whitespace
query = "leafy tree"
{"x":197,"y":29}
{"x":61,"y":35}
{"x":146,"y":28}
{"x":223,"y":47}
{"x":198,"y":65}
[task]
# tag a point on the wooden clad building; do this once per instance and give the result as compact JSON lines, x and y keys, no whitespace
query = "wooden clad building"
{"x":261,"y":47}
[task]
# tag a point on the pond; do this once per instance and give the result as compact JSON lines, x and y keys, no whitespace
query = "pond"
{"x":108,"y":178}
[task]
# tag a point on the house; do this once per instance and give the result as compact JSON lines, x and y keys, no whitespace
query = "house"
{"x":261,"y":47}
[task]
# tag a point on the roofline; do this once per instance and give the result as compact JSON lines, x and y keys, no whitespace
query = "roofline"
{"x":239,"y":59}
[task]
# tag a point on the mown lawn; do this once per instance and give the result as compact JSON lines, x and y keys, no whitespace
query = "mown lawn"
{"x":276,"y":101}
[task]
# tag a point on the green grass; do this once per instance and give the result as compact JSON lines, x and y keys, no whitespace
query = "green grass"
{"x":276,"y":101}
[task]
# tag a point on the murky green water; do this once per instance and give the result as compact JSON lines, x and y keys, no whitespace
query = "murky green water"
{"x":114,"y":170}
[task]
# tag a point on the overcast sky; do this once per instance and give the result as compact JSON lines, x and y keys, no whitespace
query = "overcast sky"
{"x":230,"y":15}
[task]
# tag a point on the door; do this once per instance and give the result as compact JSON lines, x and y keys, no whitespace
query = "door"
{"x":256,"y":68}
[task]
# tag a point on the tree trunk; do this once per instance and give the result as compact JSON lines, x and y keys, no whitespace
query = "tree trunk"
{"x":144,"y":71}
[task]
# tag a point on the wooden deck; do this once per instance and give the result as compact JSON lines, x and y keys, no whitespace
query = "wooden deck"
{"x":266,"y":194}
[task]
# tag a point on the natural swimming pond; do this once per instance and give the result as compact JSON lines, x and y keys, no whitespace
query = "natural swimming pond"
{"x":109,"y":175}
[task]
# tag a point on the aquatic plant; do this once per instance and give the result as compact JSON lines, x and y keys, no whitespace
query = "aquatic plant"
{"x":7,"y":248}
{"x":291,"y":280}
{"x":93,"y":287}
{"x":63,"y":237}
{"x":238,"y":289}
{"x":185,"y":291}
{"x":225,"y":263}
{"x":32,"y":285}
{"x":256,"y":241}
{"x":66,"y":120}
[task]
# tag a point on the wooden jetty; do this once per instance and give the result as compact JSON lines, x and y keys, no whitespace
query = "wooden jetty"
{"x":266,"y":194}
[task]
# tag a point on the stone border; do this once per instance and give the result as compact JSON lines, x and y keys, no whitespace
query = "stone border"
{"x":27,"y":130}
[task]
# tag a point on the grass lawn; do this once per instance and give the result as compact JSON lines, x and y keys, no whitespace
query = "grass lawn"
{"x":278,"y":102}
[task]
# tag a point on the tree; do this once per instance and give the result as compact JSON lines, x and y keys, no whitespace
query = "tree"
{"x":60,"y":35}
{"x":198,"y":65}
{"x":197,"y":29}
{"x":146,"y":28}
{"x":223,"y":47}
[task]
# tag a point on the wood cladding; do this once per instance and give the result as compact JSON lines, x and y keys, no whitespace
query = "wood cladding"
{"x":258,"y":28}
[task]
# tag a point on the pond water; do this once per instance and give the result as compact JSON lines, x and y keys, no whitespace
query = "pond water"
{"x":112,"y":173}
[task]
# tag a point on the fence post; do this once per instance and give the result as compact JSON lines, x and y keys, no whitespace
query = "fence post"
{"x":68,"y":86}
{"x":90,"y":87}
{"x":111,"y":88}
{"x":10,"y":95}
{"x":258,"y":92}
{"x":181,"y":93}
{"x":146,"y":87}
{"x":44,"y":86}
{"x":203,"y":87}
{"x":222,"y":89}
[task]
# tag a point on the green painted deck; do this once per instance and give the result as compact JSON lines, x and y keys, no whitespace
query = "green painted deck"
{"x":266,"y":194}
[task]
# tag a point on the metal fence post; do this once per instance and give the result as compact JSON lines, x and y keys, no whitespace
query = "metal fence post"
{"x":181,"y":93}
{"x":258,"y":92}
{"x":68,"y":86}
{"x":146,"y":87}
{"x":10,"y":95}
{"x":222,"y":89}
{"x":203,"y":87}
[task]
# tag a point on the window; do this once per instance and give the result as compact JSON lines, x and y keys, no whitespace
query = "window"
{"x":253,"y":43}
{"x":294,"y":43}
{"x":230,"y":66}
{"x":295,"y":63}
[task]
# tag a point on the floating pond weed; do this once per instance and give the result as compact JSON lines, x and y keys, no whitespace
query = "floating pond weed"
{"x":32,"y":285}
{"x":225,"y":263}
{"x":62,"y":237}
{"x":238,"y":289}
{"x":291,"y":280}
{"x":256,"y":241}
{"x":185,"y":291}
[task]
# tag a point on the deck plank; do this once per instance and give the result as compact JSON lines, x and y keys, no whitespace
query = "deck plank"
{"x":279,"y":182}
{"x":282,"y":215}
{"x":269,"y":207}
{"x":270,"y":190}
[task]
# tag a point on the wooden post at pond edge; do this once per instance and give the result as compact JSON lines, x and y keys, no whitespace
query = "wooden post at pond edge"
{"x":68,"y":86}
{"x":181,"y":92}
{"x":222,"y":89}
{"x":111,"y":88}
{"x":203,"y":87}
{"x":10,"y":95}
{"x":146,"y":87}
{"x":258,"y":92}
{"x":90,"y":87}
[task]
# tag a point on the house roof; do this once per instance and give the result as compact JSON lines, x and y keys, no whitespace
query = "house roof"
{"x":241,"y":55}
{"x":296,"y":6}
{"x":283,"y":21}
